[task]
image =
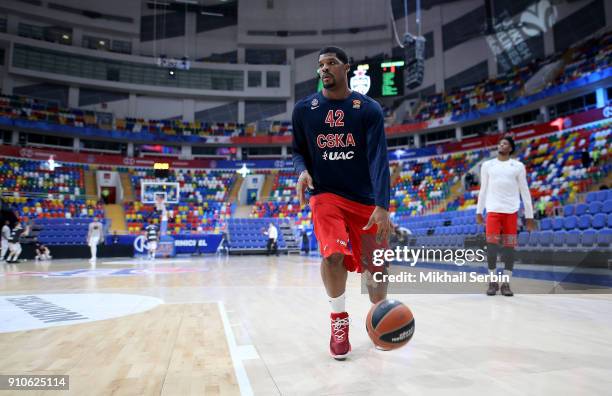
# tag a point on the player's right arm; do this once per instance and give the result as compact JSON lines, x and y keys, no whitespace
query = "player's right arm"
{"x":300,"y":150}
{"x":482,"y":194}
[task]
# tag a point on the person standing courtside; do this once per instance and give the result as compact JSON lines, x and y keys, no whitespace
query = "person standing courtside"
{"x":15,"y":243}
{"x":503,"y":185}
{"x":272,"y":233}
{"x":94,"y":236}
{"x":6,"y":235}
{"x":340,"y":153}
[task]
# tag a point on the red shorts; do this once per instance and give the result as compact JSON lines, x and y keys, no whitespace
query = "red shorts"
{"x":338,"y":226}
{"x":501,"y":228}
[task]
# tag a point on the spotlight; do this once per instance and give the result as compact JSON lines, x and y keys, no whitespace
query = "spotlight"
{"x":172,"y":73}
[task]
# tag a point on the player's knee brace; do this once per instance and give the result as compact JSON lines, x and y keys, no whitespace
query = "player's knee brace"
{"x":508,"y":257}
{"x":492,"y":250}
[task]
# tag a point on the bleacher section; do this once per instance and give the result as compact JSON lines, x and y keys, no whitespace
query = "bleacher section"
{"x":247,"y":235}
{"x":584,"y":228}
{"x":51,"y":198}
{"x":34,"y":191}
{"x":64,"y":231}
{"x":443,"y":229}
{"x":202,"y":206}
{"x":422,"y":184}
{"x":593,"y":55}
{"x":585,"y":58}
{"x":555,"y":171}
{"x":283,"y":202}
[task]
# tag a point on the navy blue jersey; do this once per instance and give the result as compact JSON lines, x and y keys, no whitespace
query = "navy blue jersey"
{"x":16,"y":234}
{"x":342,"y":145}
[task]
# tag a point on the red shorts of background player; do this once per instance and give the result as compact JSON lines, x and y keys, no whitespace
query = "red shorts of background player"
{"x":338,"y":226}
{"x":501,"y":228}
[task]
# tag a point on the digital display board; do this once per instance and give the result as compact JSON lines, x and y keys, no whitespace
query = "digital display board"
{"x":376,"y":79}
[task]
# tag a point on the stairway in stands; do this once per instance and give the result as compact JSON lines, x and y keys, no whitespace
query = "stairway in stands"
{"x":91,"y":189}
{"x":128,"y":189}
{"x":293,"y":246}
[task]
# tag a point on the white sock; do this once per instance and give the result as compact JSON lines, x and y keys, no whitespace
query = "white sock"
{"x":509,"y":273}
{"x":338,"y":304}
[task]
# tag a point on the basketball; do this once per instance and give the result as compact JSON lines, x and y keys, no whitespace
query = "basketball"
{"x":390,"y":324}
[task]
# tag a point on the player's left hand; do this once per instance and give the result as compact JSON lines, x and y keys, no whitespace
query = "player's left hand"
{"x":531,"y":225}
{"x":380,"y":217}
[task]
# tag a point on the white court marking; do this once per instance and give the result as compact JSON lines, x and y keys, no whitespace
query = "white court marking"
{"x":39,"y":311}
{"x":238,"y":353}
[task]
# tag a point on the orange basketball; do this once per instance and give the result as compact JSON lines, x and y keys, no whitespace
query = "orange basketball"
{"x":390,"y":324}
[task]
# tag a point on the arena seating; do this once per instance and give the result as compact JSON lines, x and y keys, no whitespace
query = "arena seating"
{"x":582,"y":227}
{"x":53,"y":200}
{"x":247,"y":235}
{"x":579,"y":61}
{"x":64,"y":231}
{"x":491,"y":92}
{"x":555,"y":171}
{"x":36,"y":110}
{"x":283,"y":202}
{"x":594,"y":54}
{"x":425,"y":183}
{"x":202,"y":205}
{"x":37,"y":192}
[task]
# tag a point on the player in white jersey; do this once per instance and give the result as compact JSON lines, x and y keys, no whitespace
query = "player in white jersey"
{"x":94,"y":237}
{"x":503,"y":183}
{"x":6,"y":235}
{"x":14,"y":245}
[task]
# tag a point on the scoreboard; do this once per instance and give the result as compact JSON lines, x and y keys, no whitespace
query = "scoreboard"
{"x":377,"y":79}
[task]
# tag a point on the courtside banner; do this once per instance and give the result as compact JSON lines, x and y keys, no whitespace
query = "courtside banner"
{"x":190,"y":244}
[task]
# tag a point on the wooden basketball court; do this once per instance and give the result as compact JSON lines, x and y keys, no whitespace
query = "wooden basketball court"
{"x":259,"y":325}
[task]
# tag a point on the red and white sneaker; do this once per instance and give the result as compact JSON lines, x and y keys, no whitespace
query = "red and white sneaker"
{"x":339,"y":345}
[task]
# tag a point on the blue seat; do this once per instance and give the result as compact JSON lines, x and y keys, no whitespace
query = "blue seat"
{"x":559,"y":238}
{"x":599,"y":221}
{"x":534,"y":239}
{"x":581,"y":209}
{"x":573,"y":238}
{"x":523,"y":238}
{"x":604,"y":238}
{"x":595,"y":207}
{"x":584,"y":222}
{"x":569,"y":223}
{"x":606,"y":207}
{"x":568,"y":210}
{"x":546,"y":238}
{"x":557,"y":223}
{"x":588,"y":238}
{"x":591,"y":197}
{"x":602,"y":195}
{"x":545,"y":224}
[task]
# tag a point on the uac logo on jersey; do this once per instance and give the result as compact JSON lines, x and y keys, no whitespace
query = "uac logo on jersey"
{"x":360,"y":82}
{"x":338,"y":155}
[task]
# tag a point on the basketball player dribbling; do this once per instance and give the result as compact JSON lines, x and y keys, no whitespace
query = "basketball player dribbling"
{"x":340,"y":153}
{"x":503,"y":182}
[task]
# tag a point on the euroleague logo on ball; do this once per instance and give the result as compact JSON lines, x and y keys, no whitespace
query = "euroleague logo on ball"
{"x":607,"y":111}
